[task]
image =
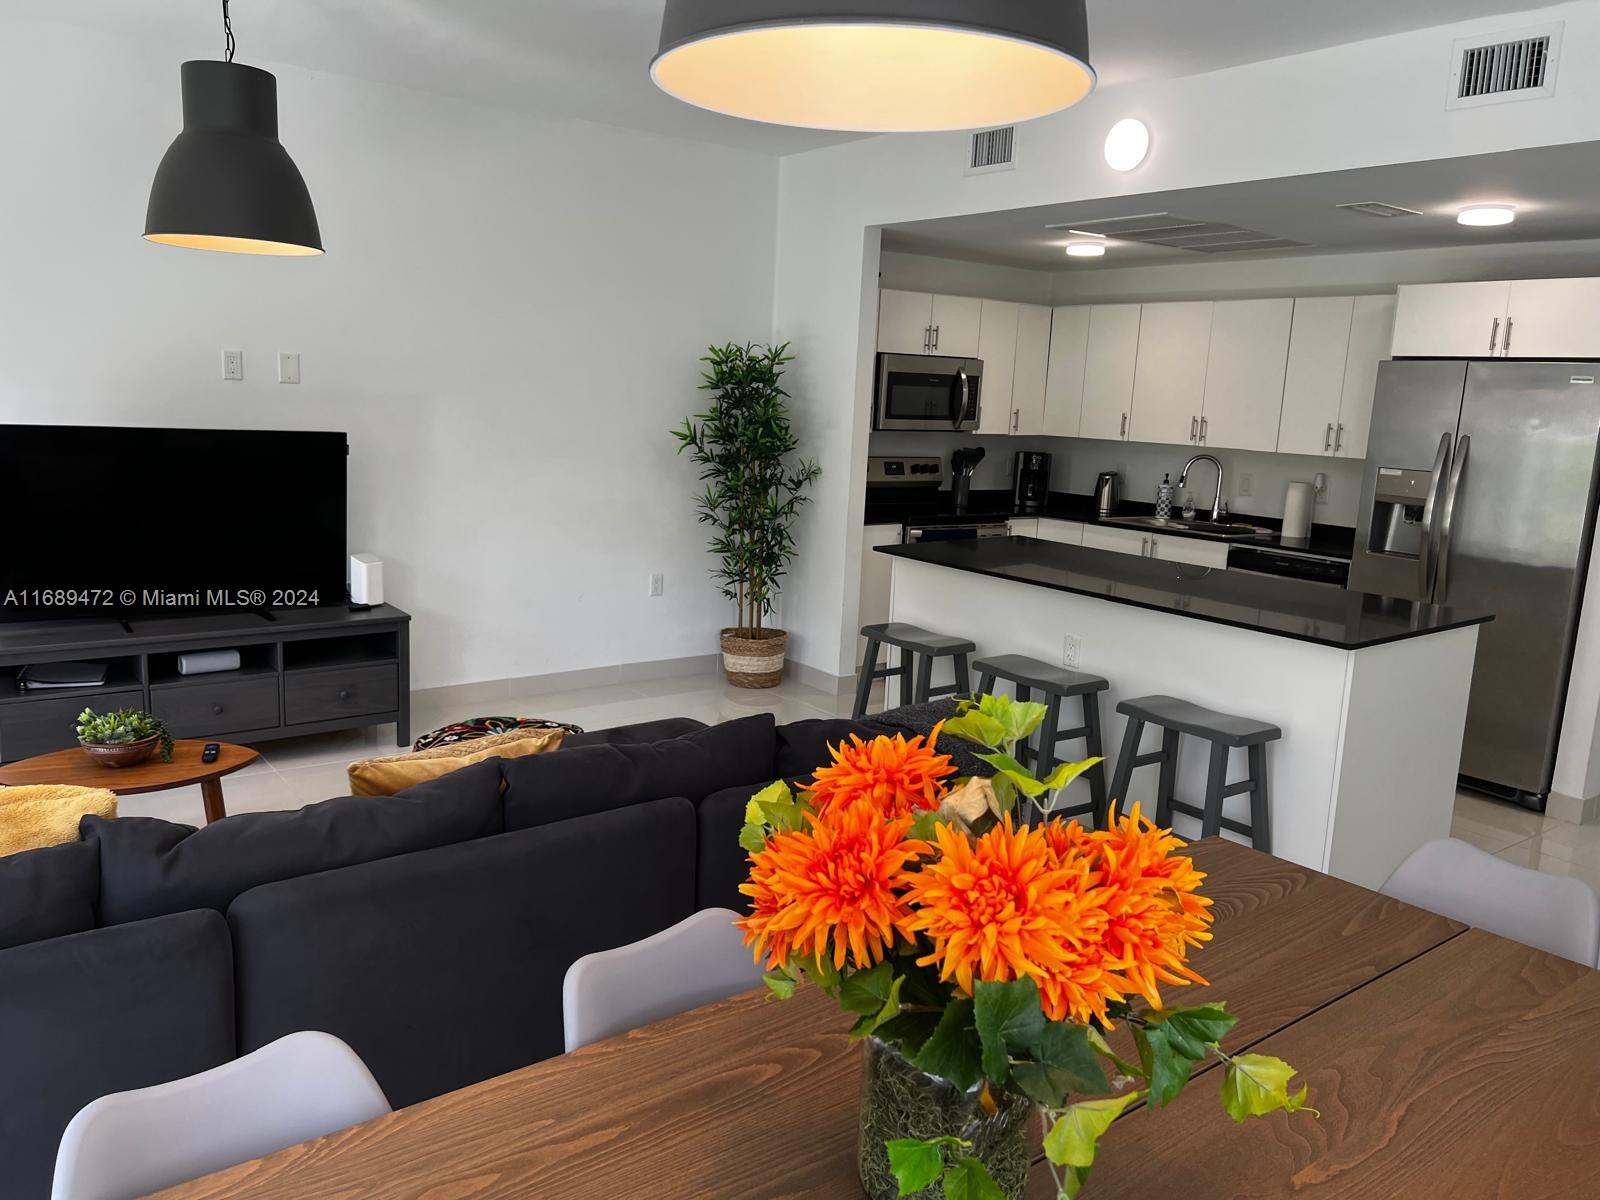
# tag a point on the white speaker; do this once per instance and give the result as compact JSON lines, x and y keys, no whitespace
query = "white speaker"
{"x":366,"y":579}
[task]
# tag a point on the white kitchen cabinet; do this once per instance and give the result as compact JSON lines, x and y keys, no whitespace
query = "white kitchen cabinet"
{"x":1069,"y":348}
{"x":1169,"y":383}
{"x":997,"y":347}
{"x":1023,"y":527}
{"x":1313,"y":386}
{"x":957,"y":325}
{"x":875,"y":576}
{"x":1451,"y":320}
{"x":1371,"y":337}
{"x":1552,"y":318}
{"x":1244,"y":374}
{"x":1109,"y":366}
{"x":1188,"y":550}
{"x":1120,"y":541}
{"x":905,"y":323}
{"x":1051,"y":530}
{"x":1032,"y":369}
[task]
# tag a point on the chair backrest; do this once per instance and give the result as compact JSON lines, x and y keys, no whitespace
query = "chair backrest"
{"x":1458,"y":880}
{"x":130,"y":1144}
{"x":699,"y":960}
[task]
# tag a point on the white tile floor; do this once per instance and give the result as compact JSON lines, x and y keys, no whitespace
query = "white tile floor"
{"x":300,"y":771}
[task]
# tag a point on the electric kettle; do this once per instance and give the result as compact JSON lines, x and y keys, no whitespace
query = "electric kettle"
{"x":1107,"y":493}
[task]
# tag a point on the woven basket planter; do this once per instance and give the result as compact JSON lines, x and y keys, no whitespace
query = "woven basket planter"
{"x":754,"y":662}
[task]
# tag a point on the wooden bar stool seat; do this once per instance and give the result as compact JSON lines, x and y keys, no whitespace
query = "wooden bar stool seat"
{"x":1225,"y":732}
{"x":918,"y":648}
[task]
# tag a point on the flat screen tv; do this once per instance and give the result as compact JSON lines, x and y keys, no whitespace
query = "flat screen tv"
{"x":103,"y":521}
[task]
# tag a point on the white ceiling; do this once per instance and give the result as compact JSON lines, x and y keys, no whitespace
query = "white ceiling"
{"x":588,"y":58}
{"x":1552,"y":187}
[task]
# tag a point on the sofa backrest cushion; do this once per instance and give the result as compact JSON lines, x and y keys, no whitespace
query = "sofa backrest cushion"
{"x":48,"y":893}
{"x":589,"y":779}
{"x":803,"y":746}
{"x":149,"y":867}
{"x":104,"y":1011}
{"x":627,"y":735}
{"x":721,"y":863}
{"x":444,"y":968}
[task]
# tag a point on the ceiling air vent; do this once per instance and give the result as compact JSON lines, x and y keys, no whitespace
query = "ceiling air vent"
{"x":1520,"y":67}
{"x":1180,"y":233}
{"x":1377,"y":208}
{"x":993,"y":150}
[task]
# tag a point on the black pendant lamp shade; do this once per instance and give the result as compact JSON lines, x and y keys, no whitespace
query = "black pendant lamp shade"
{"x":876,"y":66}
{"x":227,"y":183}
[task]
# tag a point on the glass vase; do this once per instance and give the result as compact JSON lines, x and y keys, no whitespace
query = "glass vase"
{"x":900,"y":1101}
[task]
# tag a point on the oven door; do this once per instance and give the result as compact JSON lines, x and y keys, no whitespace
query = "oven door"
{"x":925,"y":392}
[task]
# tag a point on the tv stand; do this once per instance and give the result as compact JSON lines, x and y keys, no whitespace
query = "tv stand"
{"x":302,"y":671}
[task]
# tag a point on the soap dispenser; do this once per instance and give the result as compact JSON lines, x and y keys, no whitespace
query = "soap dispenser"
{"x":1164,"y":497}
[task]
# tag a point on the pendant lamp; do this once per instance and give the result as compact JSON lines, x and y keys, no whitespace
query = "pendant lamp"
{"x":227,"y":183}
{"x":876,"y":66}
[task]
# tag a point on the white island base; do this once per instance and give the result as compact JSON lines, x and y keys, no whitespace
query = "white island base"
{"x":1366,"y":769}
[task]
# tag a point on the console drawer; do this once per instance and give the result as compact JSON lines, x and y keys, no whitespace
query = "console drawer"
{"x":39,"y":726}
{"x":204,"y":710}
{"x":325,"y":695}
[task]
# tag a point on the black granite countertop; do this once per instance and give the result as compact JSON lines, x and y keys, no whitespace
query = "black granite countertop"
{"x":907,"y":506}
{"x":1307,"y":612}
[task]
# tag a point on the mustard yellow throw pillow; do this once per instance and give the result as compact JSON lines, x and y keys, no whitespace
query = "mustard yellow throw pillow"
{"x":386,"y":776}
{"x":46,"y":814}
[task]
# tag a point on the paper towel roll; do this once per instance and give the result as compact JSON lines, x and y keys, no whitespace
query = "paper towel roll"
{"x":1297,"y":501}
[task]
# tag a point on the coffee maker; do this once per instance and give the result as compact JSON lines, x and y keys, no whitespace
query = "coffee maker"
{"x":1030,"y":491}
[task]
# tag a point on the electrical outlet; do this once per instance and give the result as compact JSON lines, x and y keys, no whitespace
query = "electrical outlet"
{"x":1246,"y":483}
{"x":233,"y":365}
{"x":1071,"y":651}
{"x":288,"y":367}
{"x":658,"y":583}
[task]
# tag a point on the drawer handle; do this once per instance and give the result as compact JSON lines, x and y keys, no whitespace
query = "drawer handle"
{"x":344,"y":693}
{"x":216,"y":710}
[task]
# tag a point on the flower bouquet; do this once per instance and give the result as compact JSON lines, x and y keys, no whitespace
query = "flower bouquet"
{"x":989,"y":952}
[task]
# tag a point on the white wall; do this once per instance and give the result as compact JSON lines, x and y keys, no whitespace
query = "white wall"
{"x":507,"y":322}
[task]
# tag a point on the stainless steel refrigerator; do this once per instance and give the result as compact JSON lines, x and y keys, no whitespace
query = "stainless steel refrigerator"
{"x":1480,"y":493}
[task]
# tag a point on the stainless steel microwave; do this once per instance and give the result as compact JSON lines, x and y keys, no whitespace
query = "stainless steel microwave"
{"x":921,"y":391}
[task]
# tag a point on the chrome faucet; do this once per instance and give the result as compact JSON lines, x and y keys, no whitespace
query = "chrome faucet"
{"x":1183,"y":480}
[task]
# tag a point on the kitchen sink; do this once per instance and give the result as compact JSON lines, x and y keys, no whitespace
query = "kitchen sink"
{"x":1222,"y":530}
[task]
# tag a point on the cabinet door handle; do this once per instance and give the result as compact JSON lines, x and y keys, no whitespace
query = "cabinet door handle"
{"x":1144,"y":547}
{"x":1494,"y":335}
{"x":1505,"y":351}
{"x":1124,"y":432}
{"x":1338,"y":440}
{"x":1203,"y":422}
{"x":927,"y":339}
{"x":1152,"y":547}
{"x":1016,"y":419}
{"x":935,"y":337}
{"x":1327,"y":438}
{"x":1194,"y":428}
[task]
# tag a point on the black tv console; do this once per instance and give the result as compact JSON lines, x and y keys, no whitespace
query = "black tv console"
{"x":302,"y":670}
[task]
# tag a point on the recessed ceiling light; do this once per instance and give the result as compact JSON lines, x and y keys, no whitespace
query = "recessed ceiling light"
{"x":1086,"y":249}
{"x":876,"y":66}
{"x":1487,"y":214}
{"x":1127,"y":144}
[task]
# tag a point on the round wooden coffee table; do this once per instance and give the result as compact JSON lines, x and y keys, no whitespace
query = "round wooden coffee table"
{"x":74,"y":767}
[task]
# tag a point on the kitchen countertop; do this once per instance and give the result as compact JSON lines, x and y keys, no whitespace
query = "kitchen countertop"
{"x":1281,"y":607}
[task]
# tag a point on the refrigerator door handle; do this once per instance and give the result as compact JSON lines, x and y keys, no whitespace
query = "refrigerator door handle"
{"x":1447,"y":519}
{"x":1426,"y":552}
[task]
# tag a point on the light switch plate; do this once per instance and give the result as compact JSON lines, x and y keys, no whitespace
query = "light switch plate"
{"x":288,"y":367}
{"x":233,"y":365}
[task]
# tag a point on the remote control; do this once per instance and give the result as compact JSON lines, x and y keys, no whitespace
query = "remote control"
{"x":209,"y":754}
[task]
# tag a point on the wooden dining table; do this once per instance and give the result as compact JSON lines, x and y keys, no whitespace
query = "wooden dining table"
{"x":1445,"y":1062}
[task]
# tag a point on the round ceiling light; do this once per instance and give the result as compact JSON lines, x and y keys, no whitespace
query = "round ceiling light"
{"x":876,"y":66}
{"x":1486,"y":214}
{"x":1127,"y":144}
{"x":1086,"y":249}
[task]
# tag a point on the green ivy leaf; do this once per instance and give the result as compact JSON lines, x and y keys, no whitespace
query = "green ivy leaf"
{"x":867,"y":991}
{"x":974,"y":726}
{"x":753,"y":838}
{"x":1074,"y":1138}
{"x":1008,"y":1017}
{"x":1066,"y":772}
{"x":822,"y":970}
{"x":870,"y":1022}
{"x":1014,"y":771}
{"x":780,"y":983}
{"x":922,"y":828}
{"x":1076,"y":1178}
{"x":952,"y":1052}
{"x":775,"y":807}
{"x":1166,"y":1069}
{"x":1193,"y":1031}
{"x":1103,"y":1048}
{"x":1062,"y":1061}
{"x":910,"y":1029}
{"x":914,"y":1164}
{"x":969,"y":1179}
{"x":1256,"y":1084}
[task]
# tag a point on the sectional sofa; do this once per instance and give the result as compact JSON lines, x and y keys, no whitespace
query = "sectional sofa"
{"x":430,"y":930}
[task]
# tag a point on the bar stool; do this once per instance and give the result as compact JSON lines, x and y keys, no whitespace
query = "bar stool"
{"x":1057,"y":684}
{"x":915,"y":645}
{"x":1225,"y":732}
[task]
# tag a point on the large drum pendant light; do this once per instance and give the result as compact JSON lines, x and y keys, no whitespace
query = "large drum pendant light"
{"x":227,"y":183}
{"x":876,"y":66}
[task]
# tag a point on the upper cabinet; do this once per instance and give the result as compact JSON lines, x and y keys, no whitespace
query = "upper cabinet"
{"x":1029,"y":381}
{"x":1523,"y":318}
{"x":1245,"y":374}
{"x":1069,"y":348}
{"x":1371,"y":341}
{"x":1334,"y":351}
{"x":997,"y":347}
{"x":919,"y":323}
{"x":957,"y":321}
{"x":1110,"y":362}
{"x":1169,"y":383}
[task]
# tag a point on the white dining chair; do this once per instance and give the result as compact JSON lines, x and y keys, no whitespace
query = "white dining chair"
{"x":129,"y":1144}
{"x":701,"y":959}
{"x":1458,"y":880}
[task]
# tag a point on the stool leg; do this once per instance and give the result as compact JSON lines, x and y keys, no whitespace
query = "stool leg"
{"x":1045,"y":759}
{"x":1169,"y":778}
{"x":869,"y":667}
{"x":1021,"y":695}
{"x":1216,"y":780}
{"x":924,"y":679}
{"x":963,"y":680}
{"x":907,"y":696}
{"x":1130,"y":751}
{"x":1093,"y":748}
{"x":985,"y":683}
{"x":1260,"y":813}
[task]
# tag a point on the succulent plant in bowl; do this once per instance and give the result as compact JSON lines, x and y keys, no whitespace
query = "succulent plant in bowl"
{"x":123,"y":738}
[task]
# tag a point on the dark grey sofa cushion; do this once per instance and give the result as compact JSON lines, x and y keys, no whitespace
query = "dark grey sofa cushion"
{"x":545,"y":788}
{"x":625,"y":735}
{"x":99,"y":1012}
{"x":444,"y":968}
{"x":48,"y":893}
{"x":803,"y":746}
{"x":149,"y":867}
{"x":722,"y":862}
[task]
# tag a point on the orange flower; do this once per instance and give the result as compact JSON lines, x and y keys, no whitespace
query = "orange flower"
{"x":834,"y":889}
{"x":899,"y":776}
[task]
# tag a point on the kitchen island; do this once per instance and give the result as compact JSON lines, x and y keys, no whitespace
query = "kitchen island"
{"x":1370,"y":692}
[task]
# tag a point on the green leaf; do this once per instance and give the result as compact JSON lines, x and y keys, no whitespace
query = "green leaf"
{"x":974,"y":726}
{"x":1193,"y":1031}
{"x":910,"y":1029}
{"x":822,"y":970}
{"x":868,"y":991}
{"x":775,"y":807}
{"x":1103,"y":1048}
{"x":1255,"y":1084}
{"x":952,"y":1052}
{"x":1074,"y":1138}
{"x":1066,"y":772}
{"x":869,"y":1022}
{"x":969,"y":1179}
{"x":1062,"y":1061}
{"x":1014,"y":771}
{"x":753,"y":838}
{"x":1076,"y":1178}
{"x":1166,"y":1069}
{"x":915,"y":1164}
{"x":780,"y":983}
{"x":922,"y":828}
{"x":1007,"y":1016}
